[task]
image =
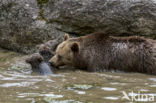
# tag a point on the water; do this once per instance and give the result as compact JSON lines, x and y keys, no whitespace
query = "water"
{"x":19,"y":85}
{"x":44,"y":69}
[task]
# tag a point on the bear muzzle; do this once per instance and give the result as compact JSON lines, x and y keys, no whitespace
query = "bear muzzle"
{"x":52,"y":63}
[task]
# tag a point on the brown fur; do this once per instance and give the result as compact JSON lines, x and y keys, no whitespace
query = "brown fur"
{"x":100,"y":52}
{"x":38,"y":65}
{"x":46,"y":51}
{"x":34,"y":60}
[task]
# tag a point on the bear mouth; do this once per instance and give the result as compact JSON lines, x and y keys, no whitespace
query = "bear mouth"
{"x":53,"y":65}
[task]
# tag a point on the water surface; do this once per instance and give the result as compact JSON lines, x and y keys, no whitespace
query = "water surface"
{"x":19,"y":85}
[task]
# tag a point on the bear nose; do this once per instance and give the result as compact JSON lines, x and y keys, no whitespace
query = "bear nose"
{"x":51,"y":63}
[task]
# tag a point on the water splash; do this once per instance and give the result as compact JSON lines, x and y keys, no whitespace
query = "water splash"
{"x":44,"y":69}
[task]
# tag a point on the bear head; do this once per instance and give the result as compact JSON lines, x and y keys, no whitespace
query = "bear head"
{"x":65,"y":52}
{"x":34,"y":60}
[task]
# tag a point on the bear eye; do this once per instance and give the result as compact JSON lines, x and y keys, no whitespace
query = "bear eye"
{"x":59,"y":57}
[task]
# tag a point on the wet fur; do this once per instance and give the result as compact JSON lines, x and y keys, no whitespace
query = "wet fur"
{"x":46,"y":51}
{"x":100,"y":52}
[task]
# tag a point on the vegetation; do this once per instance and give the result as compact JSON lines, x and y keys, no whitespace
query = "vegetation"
{"x":40,"y":4}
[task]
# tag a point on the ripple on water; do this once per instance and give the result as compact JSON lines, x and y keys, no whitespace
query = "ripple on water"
{"x":117,"y":83}
{"x":153,"y":85}
{"x":21,"y":84}
{"x":152,"y":79}
{"x":51,"y":100}
{"x":144,"y":90}
{"x":109,"y":76}
{"x":57,"y":75}
{"x":24,"y":77}
{"x":111,"y":98}
{"x":80,"y":86}
{"x":80,"y":92}
{"x":50,"y":95}
{"x":15,"y":79}
{"x":108,"y":89}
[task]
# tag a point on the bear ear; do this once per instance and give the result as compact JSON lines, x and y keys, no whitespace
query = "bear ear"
{"x":66,"y":36}
{"x":40,"y":59}
{"x":75,"y":47}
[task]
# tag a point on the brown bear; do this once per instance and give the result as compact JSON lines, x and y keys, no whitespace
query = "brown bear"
{"x":39,"y":61}
{"x":38,"y":64}
{"x":101,"y":52}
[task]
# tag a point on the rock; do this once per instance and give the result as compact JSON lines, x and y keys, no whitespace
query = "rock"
{"x":22,"y":26}
{"x":26,"y":23}
{"x":117,"y":17}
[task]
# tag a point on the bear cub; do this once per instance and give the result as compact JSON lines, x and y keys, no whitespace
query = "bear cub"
{"x":38,"y":64}
{"x":39,"y":61}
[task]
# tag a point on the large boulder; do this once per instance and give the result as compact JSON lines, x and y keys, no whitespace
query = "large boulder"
{"x":22,"y":26}
{"x":26,"y":23}
{"x":118,"y":17}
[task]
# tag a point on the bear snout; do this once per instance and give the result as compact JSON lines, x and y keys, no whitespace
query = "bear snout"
{"x":51,"y":63}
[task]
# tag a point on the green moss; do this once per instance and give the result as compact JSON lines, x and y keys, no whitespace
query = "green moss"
{"x":40,"y":4}
{"x":42,"y":16}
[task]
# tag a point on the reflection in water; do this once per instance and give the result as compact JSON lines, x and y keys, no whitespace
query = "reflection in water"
{"x":18,"y":85}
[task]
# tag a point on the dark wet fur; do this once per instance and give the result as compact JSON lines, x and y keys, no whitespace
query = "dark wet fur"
{"x":40,"y":61}
{"x":39,"y":65}
{"x":100,"y":52}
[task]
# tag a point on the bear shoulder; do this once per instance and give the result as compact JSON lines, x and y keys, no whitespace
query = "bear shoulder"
{"x":133,"y":39}
{"x":94,"y":37}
